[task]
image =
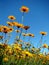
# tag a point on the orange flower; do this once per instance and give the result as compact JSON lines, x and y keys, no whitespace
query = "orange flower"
{"x":29,"y":34}
{"x":43,"y":33}
{"x":45,"y":46}
{"x":10,"y":29}
{"x":26,"y":27}
{"x":24,"y":9}
{"x":10,"y":23}
{"x":5,"y":29}
{"x":11,"y":17}
{"x":19,"y":25}
{"x":17,"y":31}
{"x":15,"y":23}
{"x":5,"y":59}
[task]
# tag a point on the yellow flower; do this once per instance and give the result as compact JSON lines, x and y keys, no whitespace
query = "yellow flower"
{"x":9,"y":47}
{"x":17,"y":47}
{"x":19,"y":25}
{"x":27,"y":53}
{"x":10,"y":29}
{"x":26,"y":27}
{"x":5,"y":29}
{"x":24,"y":9}
{"x":14,"y":23}
{"x":5,"y":59}
{"x":43,"y":33}
{"x":10,"y":23}
{"x":45,"y":46}
{"x":17,"y":31}
{"x":11,"y":17}
{"x":29,"y":34}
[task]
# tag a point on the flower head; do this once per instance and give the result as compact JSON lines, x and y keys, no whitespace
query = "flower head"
{"x":17,"y":31}
{"x":5,"y":29}
{"x":10,"y":23}
{"x":45,"y":46}
{"x":19,"y":25}
{"x":27,"y":53}
{"x":10,"y":29}
{"x":24,"y":9}
{"x":26,"y":27}
{"x":5,"y":59}
{"x":11,"y":17}
{"x":29,"y":34}
{"x":43,"y":33}
{"x":15,"y":23}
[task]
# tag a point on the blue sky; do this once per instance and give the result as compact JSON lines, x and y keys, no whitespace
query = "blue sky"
{"x":37,"y":17}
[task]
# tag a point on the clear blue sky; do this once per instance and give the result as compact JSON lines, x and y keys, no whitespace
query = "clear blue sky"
{"x":37,"y":17}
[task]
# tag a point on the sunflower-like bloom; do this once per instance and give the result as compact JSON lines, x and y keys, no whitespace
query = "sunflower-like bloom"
{"x":15,"y":23}
{"x":26,"y":27}
{"x":24,"y":9}
{"x":17,"y":31}
{"x":16,"y":47}
{"x":29,"y":34}
{"x":10,"y":29}
{"x":45,"y":46}
{"x":19,"y":25}
{"x":27,"y":53}
{"x":10,"y":23}
{"x":5,"y":29}
{"x":11,"y":17}
{"x":5,"y":59}
{"x":43,"y":33}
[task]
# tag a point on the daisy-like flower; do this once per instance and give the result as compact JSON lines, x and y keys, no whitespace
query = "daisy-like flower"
{"x":15,"y":23}
{"x":10,"y":29}
{"x":27,"y":53}
{"x":19,"y":25}
{"x":5,"y":29}
{"x":29,"y":34}
{"x":24,"y":9}
{"x":45,"y":46}
{"x":11,"y":17}
{"x":5,"y":59}
{"x":43,"y":33}
{"x":10,"y":23}
{"x":17,"y":31}
{"x":26,"y":27}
